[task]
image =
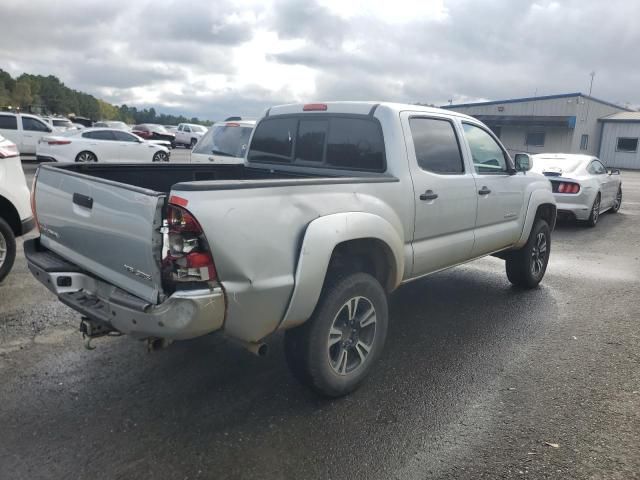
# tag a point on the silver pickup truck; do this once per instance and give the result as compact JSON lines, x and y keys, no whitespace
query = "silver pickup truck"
{"x":336,"y":205}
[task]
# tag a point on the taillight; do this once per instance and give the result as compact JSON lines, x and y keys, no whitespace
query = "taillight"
{"x":186,"y":253}
{"x":8,"y":150}
{"x":567,"y":187}
{"x":232,"y":124}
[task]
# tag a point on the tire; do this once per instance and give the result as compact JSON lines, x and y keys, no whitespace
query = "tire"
{"x":618,"y":202}
{"x":160,"y":156}
{"x":193,"y":143}
{"x":526,"y":267}
{"x":86,"y":157}
{"x":595,"y":213}
{"x":7,"y":249}
{"x":315,"y":351}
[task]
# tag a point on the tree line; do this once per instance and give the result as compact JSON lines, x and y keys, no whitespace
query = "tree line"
{"x":49,"y":96}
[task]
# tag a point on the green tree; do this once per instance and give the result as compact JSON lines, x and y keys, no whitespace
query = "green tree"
{"x":22,"y":94}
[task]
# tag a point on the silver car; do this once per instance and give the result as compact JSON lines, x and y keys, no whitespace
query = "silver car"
{"x":582,"y":185}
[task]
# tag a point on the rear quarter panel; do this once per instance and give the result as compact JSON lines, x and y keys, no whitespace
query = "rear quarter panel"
{"x":256,"y":235}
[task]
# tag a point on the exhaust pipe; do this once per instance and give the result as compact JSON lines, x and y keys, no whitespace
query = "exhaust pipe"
{"x":259,"y":349}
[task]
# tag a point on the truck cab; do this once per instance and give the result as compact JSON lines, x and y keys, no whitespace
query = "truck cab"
{"x":24,"y":130}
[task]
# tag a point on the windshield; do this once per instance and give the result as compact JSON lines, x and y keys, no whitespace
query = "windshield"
{"x":61,"y":123}
{"x":556,"y":164}
{"x":225,"y":140}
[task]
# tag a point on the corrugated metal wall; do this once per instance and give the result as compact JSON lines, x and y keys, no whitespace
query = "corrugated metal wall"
{"x":610,"y":134}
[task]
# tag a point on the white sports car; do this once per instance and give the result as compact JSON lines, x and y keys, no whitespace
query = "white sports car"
{"x":99,"y":145}
{"x":582,"y":185}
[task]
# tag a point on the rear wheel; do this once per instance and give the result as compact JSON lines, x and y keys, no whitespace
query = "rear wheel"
{"x":160,"y":157}
{"x":335,"y":350}
{"x":86,"y":157}
{"x":526,"y":267}
{"x":7,"y":249}
{"x":193,"y":143}
{"x":595,"y":212}
{"x":617,"y":202}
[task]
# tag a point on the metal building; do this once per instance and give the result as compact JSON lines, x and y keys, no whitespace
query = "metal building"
{"x":620,"y":134}
{"x":566,"y":123}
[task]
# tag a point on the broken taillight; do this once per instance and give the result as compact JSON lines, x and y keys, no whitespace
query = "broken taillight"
{"x":186,"y":253}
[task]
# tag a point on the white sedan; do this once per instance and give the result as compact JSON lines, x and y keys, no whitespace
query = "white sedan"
{"x":99,"y":145}
{"x":582,"y":185}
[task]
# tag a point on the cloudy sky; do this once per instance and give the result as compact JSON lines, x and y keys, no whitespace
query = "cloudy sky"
{"x":214,"y":58}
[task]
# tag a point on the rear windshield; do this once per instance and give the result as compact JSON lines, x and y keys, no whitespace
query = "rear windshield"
{"x":344,"y":142}
{"x":230,"y":141}
{"x":61,"y":123}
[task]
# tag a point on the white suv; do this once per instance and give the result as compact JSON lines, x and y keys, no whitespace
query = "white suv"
{"x":24,"y":130}
{"x":15,"y":211}
{"x":188,"y":134}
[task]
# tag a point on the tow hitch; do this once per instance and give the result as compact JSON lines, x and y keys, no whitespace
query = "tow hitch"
{"x":91,"y":329}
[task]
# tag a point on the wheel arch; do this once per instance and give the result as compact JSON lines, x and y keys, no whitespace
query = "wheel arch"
{"x":352,"y":241}
{"x":85,"y":151}
{"x":9,"y":214}
{"x":542,"y":204}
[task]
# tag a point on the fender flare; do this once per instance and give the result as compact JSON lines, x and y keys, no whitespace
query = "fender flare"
{"x":321,"y":237}
{"x":537,"y":198}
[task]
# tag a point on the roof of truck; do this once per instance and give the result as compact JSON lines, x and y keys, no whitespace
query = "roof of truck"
{"x":357,"y":108}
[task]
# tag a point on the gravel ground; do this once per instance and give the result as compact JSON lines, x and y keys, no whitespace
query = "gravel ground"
{"x":478,"y":380}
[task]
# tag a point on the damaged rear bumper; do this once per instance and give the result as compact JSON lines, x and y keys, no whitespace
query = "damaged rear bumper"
{"x":185,"y":314}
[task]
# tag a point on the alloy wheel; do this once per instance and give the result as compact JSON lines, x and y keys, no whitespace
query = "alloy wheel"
{"x":539,"y":254}
{"x":596,"y":209}
{"x":352,"y":335}
{"x":3,"y":249}
{"x":86,"y":157}
{"x":618,"y":201}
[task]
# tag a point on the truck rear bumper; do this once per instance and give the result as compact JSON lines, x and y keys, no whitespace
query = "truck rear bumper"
{"x":185,"y":314}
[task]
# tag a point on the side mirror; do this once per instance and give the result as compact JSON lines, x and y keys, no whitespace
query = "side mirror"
{"x":614,"y":171}
{"x":523,"y":162}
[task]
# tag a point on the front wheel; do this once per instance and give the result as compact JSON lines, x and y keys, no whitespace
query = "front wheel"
{"x":193,"y":143}
{"x":335,"y":350}
{"x":7,"y":249}
{"x":160,"y":157}
{"x":526,"y":267}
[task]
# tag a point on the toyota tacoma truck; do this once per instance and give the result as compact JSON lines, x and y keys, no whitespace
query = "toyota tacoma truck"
{"x":336,"y":205}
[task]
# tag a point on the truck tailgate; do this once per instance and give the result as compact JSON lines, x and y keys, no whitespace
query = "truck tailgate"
{"x":109,"y":229}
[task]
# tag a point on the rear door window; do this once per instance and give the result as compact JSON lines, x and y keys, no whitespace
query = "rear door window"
{"x":99,"y":135}
{"x":124,"y":137}
{"x":8,"y":122}
{"x":436,"y":145}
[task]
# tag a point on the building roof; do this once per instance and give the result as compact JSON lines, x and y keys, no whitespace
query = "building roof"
{"x":531,"y":99}
{"x":622,"y":117}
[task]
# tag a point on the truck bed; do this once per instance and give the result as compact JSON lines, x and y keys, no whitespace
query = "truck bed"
{"x":162,"y":177}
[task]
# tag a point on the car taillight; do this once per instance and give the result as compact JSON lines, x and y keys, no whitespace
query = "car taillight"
{"x":567,"y":187}
{"x":186,"y":253}
{"x":9,"y":150}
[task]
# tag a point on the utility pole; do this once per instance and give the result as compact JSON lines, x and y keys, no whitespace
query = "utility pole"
{"x":593,"y":74}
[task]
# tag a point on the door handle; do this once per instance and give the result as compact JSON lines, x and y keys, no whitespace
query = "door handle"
{"x":484,"y":191}
{"x":83,"y":200}
{"x":429,"y":195}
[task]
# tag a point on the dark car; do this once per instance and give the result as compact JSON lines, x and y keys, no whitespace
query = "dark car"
{"x":151,"y":131}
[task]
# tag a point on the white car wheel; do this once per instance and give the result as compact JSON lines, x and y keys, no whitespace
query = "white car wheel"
{"x":86,"y":157}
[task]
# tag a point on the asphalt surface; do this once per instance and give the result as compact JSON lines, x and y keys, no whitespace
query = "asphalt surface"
{"x":478,"y":380}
